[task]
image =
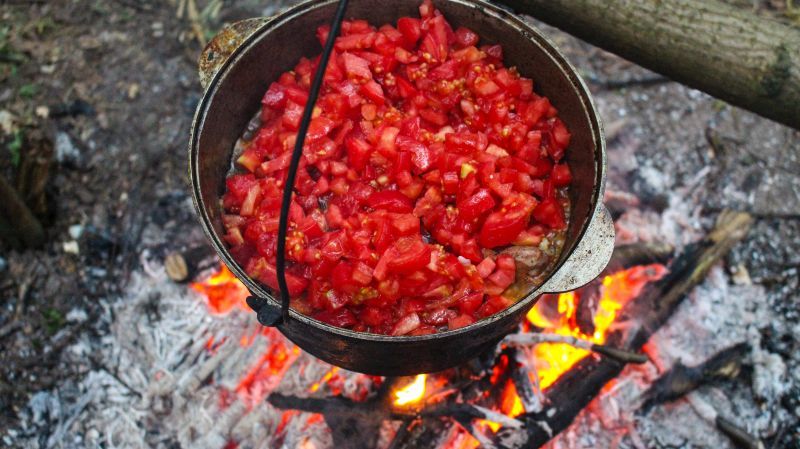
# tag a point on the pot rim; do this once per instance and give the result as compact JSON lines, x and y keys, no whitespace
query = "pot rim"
{"x":486,"y":8}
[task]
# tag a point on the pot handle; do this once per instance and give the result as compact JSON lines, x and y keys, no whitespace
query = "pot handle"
{"x":222,"y":46}
{"x":590,"y":257}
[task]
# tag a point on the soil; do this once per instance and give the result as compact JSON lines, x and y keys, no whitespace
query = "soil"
{"x":114,"y":86}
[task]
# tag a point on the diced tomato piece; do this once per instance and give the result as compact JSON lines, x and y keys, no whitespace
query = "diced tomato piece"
{"x":411,"y":29}
{"x":406,"y":324}
{"x":561,"y":175}
{"x":275,"y":97}
{"x":460,"y":321}
{"x":405,"y":224}
{"x":355,"y":67}
{"x":292,"y":115}
{"x":266,"y":273}
{"x":373,"y":92}
{"x":501,"y":228}
{"x":358,"y":152}
{"x":390,"y":200}
{"x":550,"y":213}
{"x":485,"y":87}
{"x":340,"y":318}
{"x":476,"y":205}
{"x":319,"y":127}
{"x":466,"y":37}
{"x":486,"y":267}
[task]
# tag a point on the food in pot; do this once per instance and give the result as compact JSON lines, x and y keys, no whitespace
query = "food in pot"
{"x":426,"y":165}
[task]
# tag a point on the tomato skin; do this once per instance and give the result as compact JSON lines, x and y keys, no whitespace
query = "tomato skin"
{"x":476,"y":205}
{"x":501,"y":229}
{"x":356,"y":67}
{"x":340,"y":318}
{"x":561,"y":175}
{"x":266,"y":273}
{"x":275,"y":97}
{"x":411,"y":29}
{"x":466,"y":37}
{"x":550,"y":213}
{"x":390,"y":200}
{"x":407,"y":255}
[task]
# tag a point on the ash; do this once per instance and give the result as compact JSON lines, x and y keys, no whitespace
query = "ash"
{"x":142,"y":363}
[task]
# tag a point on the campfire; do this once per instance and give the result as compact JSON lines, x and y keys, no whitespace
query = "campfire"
{"x":530,"y":387}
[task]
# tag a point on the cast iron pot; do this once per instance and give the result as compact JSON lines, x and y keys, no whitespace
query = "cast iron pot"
{"x":239,"y":64}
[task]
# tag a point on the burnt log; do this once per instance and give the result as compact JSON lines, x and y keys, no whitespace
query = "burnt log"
{"x":646,"y":314}
{"x":681,"y":379}
{"x":749,"y":61}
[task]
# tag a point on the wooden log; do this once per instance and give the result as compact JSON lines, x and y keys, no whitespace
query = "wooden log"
{"x":182,"y":266}
{"x":18,"y":226}
{"x":747,"y":60}
{"x":646,"y":314}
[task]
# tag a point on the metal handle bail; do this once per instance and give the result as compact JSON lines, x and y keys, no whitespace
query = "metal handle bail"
{"x":316,"y":85}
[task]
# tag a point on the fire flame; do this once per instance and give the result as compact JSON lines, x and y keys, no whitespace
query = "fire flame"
{"x":554,"y":359}
{"x":222,"y":291}
{"x":412,"y":392}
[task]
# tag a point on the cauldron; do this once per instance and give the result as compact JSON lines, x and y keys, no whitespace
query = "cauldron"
{"x":239,"y":64}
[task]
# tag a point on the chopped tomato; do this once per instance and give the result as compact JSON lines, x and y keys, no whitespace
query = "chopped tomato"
{"x":390,"y":200}
{"x":424,"y":152}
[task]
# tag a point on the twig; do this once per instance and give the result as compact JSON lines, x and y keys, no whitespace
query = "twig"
{"x":530,"y":338}
{"x":738,"y":435}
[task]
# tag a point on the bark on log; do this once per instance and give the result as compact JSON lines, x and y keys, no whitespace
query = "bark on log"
{"x":646,"y":313}
{"x":749,"y":61}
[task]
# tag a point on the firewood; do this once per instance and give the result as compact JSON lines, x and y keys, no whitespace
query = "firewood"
{"x":749,"y":61}
{"x":182,"y":266}
{"x":682,"y":379}
{"x":652,"y":308}
{"x":529,"y":338}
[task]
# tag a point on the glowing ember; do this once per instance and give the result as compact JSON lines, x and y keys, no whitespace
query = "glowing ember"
{"x":315,"y":387}
{"x":267,"y":373}
{"x":554,"y":359}
{"x":412,"y":392}
{"x":222,"y":291}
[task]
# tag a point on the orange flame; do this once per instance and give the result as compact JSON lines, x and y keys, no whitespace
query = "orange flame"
{"x":412,"y":392}
{"x":554,"y":359}
{"x":223,"y":291}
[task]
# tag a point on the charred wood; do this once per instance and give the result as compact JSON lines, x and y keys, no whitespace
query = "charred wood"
{"x":681,"y":379}
{"x":646,"y":313}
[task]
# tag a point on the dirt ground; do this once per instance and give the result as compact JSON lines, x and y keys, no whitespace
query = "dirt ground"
{"x":113,"y":84}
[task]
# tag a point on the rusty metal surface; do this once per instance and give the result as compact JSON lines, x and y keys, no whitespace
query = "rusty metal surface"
{"x":234,"y":90}
{"x":223,"y":45}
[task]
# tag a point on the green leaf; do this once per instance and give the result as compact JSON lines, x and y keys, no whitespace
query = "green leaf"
{"x":28,"y":90}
